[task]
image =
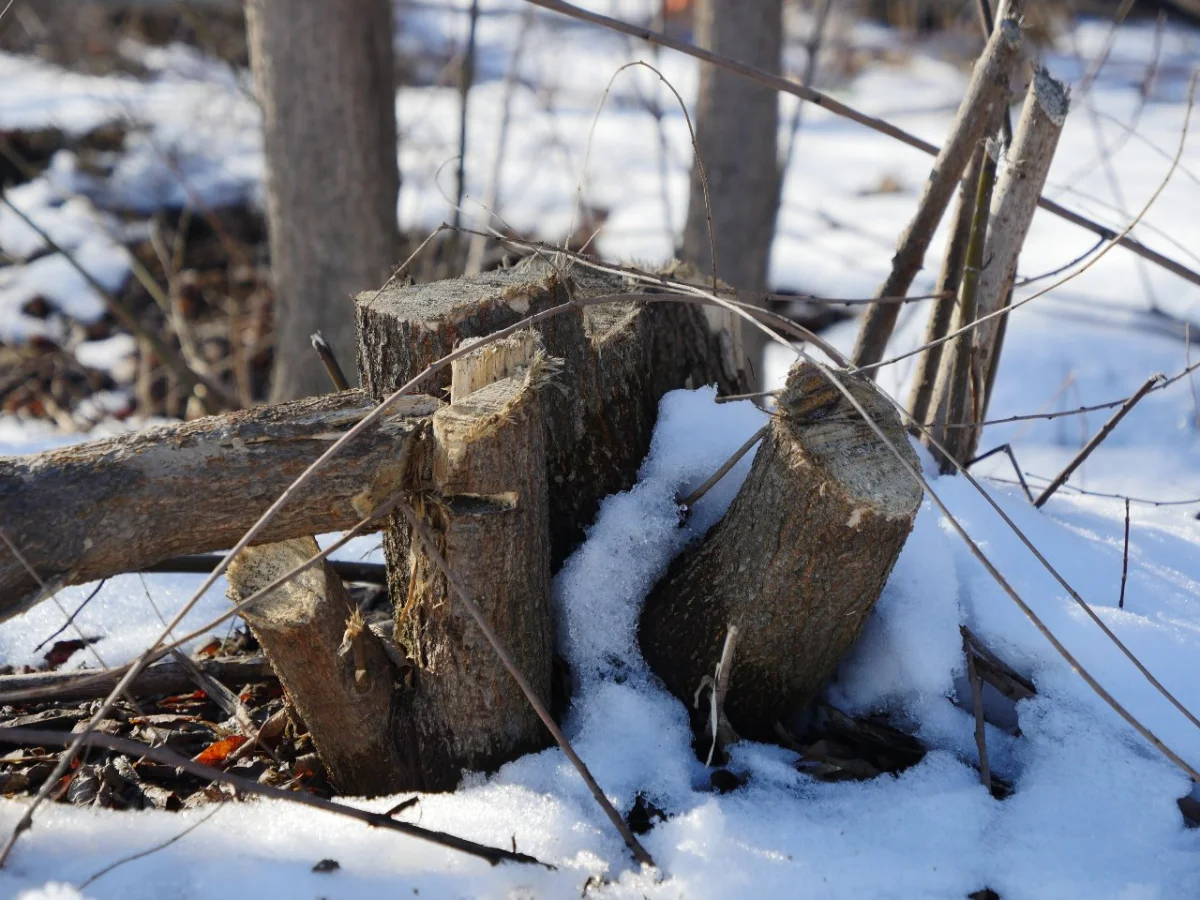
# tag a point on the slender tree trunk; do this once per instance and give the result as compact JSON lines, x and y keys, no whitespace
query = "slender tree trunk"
{"x":736,"y":127}
{"x":324,"y":75}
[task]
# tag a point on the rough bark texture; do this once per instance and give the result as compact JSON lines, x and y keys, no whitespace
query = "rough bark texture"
{"x":941,"y":312}
{"x":987,"y":92}
{"x":618,"y":361}
{"x":116,"y":505}
{"x":324,"y":74}
{"x":488,"y":510}
{"x":1013,"y":204}
{"x":736,"y":127}
{"x":348,"y":700}
{"x":798,"y":561}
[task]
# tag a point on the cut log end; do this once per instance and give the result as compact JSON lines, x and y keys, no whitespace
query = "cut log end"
{"x":798,"y":561}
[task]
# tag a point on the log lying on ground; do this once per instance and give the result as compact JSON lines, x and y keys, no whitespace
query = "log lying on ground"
{"x":618,"y":361}
{"x":798,"y":561}
{"x":100,"y":508}
{"x":347,"y":698}
{"x":164,"y":678}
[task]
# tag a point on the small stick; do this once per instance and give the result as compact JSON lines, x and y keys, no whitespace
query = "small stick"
{"x":1125,"y":558}
{"x":1012,"y":457}
{"x":332,"y":367}
{"x":985,"y":772}
{"x":1095,"y":442}
{"x":40,"y":737}
{"x":429,"y":544}
{"x":722,"y":732}
{"x":694,"y":497}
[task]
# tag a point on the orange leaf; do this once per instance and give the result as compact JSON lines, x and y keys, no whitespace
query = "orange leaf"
{"x":216,"y":753}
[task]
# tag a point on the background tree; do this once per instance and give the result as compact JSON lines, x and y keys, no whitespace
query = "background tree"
{"x":736,"y":127}
{"x":324,"y":74}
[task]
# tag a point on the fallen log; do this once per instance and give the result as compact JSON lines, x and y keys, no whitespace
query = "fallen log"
{"x":116,"y":505}
{"x":164,"y":678}
{"x":796,"y":564}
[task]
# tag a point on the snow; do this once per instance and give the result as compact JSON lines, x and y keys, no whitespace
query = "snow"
{"x":1093,"y":811}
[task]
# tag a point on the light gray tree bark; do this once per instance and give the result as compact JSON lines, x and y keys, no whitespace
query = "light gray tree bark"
{"x":736,"y":126}
{"x":324,"y":75}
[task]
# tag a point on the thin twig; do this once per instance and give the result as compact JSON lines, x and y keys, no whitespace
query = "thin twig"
{"x":429,"y":545}
{"x":985,"y":772}
{"x":1124,"y":558}
{"x":694,"y":497}
{"x":1099,"y":437}
{"x":40,"y":737}
{"x":1012,"y":457}
{"x":332,"y":367}
{"x":151,"y":850}
{"x":71,"y":618}
{"x":464,"y":91}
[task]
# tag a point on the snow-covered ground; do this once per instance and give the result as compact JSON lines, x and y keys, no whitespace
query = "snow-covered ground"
{"x":1094,"y":809}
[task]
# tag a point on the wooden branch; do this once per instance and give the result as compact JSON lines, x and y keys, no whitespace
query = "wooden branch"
{"x":798,"y":561}
{"x":164,"y":678}
{"x":1018,"y":187}
{"x":100,"y":508}
{"x":986,"y":93}
{"x":949,"y":279}
{"x":1097,"y":439}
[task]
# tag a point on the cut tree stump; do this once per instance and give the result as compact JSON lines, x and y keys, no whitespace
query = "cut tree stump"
{"x":120,"y":504}
{"x":411,"y":708}
{"x":796,"y":564}
{"x":618,"y":361}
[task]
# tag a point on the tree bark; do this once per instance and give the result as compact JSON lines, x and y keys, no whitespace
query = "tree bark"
{"x":1013,"y":204}
{"x":348,"y":698}
{"x":488,"y":511}
{"x":324,"y":74}
{"x":97,"y":509}
{"x":798,"y":561}
{"x":618,"y":360}
{"x":737,"y":123}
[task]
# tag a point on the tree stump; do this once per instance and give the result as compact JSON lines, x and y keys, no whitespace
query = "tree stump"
{"x":618,"y":360}
{"x":798,"y":561}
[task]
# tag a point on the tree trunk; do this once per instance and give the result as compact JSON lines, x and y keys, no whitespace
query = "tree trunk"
{"x":120,"y":504}
{"x":324,"y":75}
{"x":798,"y":561}
{"x":736,"y":128}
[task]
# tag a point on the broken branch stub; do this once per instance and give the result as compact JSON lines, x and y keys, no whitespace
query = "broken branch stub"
{"x":797,"y":562}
